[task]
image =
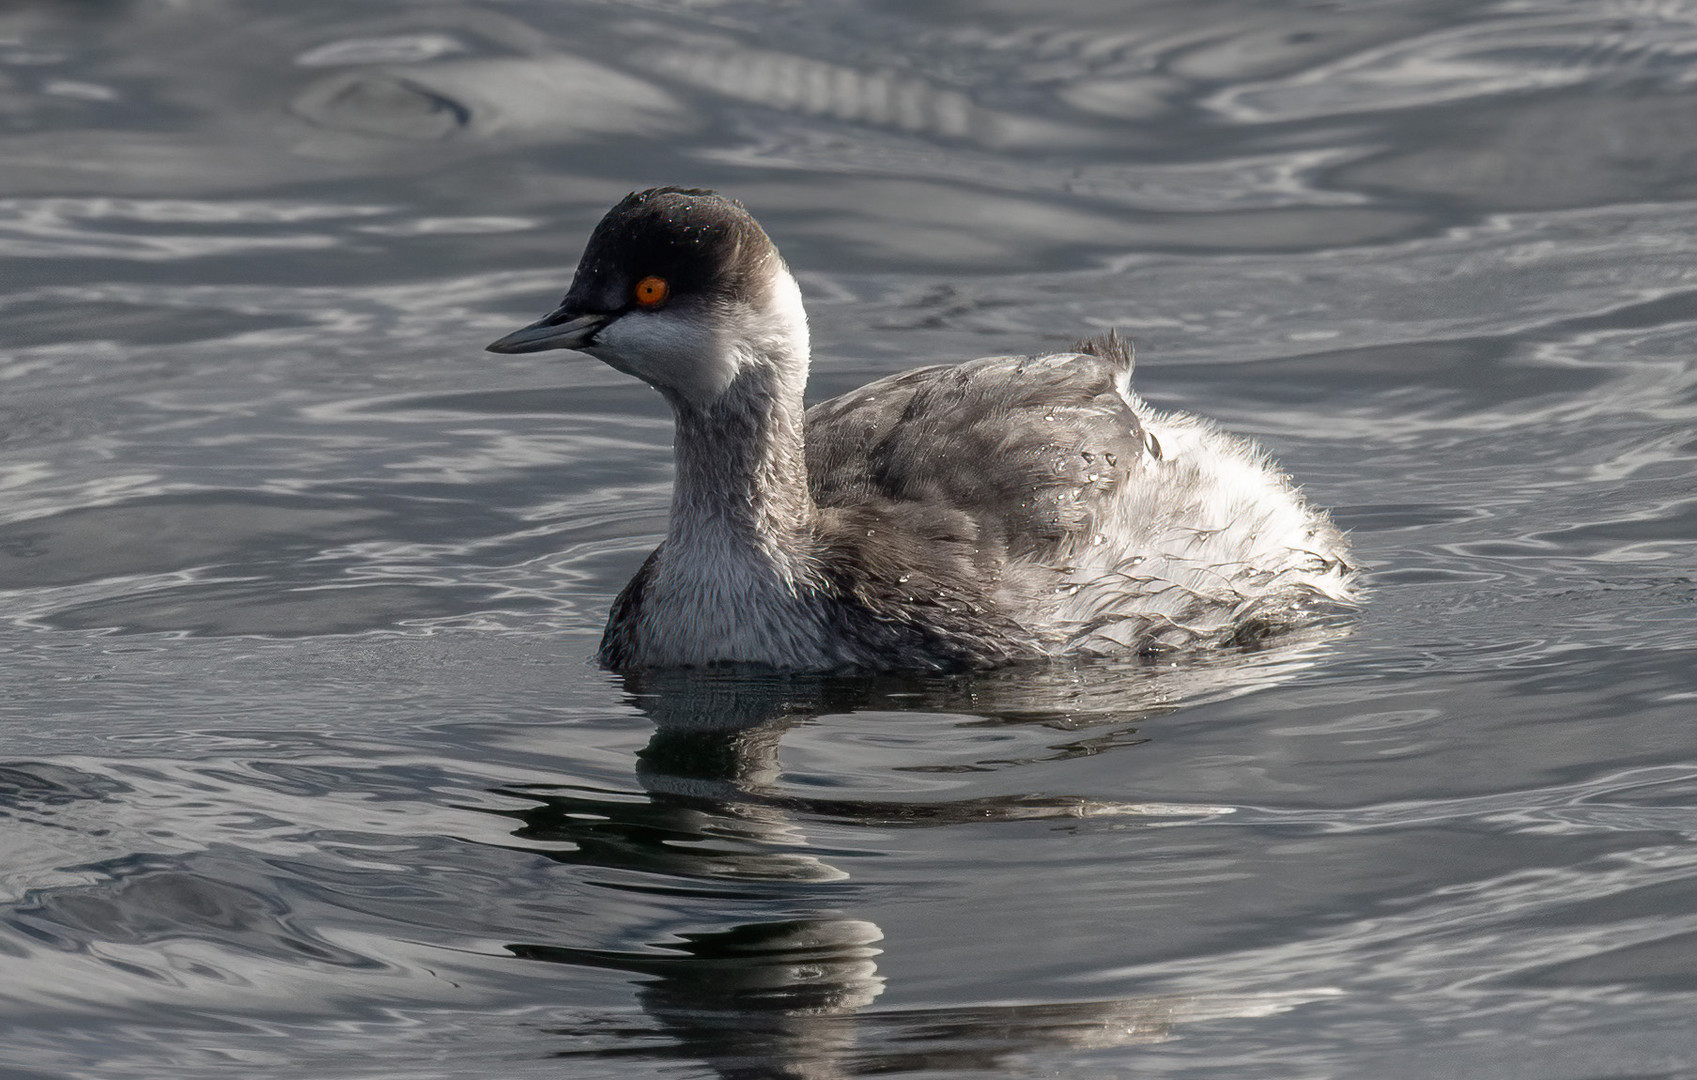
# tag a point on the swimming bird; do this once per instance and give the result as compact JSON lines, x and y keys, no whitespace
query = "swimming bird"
{"x":951,"y":517}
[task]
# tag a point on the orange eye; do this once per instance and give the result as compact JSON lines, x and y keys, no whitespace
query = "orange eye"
{"x":651,"y":291}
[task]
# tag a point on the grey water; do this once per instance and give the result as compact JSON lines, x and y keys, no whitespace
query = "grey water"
{"x":305,"y":767}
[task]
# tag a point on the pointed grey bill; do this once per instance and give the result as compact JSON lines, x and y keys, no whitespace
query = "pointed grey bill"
{"x":557,"y":330}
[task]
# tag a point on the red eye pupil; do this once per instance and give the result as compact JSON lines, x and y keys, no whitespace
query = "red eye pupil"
{"x":651,"y":291}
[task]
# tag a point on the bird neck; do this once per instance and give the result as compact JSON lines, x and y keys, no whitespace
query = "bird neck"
{"x":741,"y":484}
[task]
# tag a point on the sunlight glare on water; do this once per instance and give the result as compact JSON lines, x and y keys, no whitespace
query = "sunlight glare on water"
{"x":308,"y":770}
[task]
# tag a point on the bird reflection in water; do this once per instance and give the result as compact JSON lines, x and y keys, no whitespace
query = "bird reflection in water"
{"x":789,"y":996}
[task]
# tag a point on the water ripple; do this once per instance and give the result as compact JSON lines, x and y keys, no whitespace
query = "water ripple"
{"x":72,"y":228}
{"x":1518,"y":48}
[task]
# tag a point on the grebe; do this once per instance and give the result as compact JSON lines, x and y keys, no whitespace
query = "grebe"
{"x":953,"y":517}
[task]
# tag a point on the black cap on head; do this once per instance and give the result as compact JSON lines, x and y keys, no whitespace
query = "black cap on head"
{"x":702,"y":244}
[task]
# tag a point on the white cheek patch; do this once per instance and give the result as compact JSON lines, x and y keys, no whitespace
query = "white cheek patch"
{"x":782,"y":326}
{"x":696,"y":350}
{"x":669,"y":350}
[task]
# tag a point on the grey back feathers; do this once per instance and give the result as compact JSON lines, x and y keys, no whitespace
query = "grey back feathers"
{"x":1032,"y":446}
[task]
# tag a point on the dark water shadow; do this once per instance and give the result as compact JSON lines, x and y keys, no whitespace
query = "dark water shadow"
{"x":794,"y":995}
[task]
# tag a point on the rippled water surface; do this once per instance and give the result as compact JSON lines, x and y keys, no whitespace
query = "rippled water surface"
{"x":306,"y":770}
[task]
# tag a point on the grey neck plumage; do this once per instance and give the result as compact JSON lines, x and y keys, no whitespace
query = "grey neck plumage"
{"x":741,"y":466}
